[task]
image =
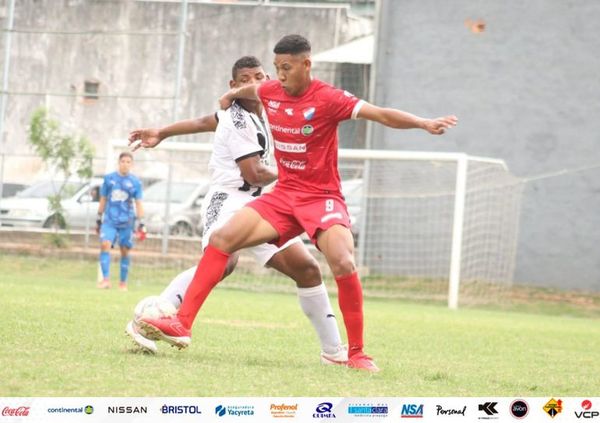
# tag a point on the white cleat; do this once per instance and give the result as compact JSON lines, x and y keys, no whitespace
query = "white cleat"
{"x":340,"y":357}
{"x":145,"y":344}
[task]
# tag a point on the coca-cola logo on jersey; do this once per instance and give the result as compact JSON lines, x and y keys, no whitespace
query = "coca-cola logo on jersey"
{"x":293,"y":164}
{"x":18,"y":411}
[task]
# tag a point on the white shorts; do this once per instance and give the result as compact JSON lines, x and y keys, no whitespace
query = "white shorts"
{"x":219,"y":205}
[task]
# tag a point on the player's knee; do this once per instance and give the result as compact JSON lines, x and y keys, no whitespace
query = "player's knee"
{"x":343,"y":265}
{"x":105,"y":245}
{"x":312,"y":271}
{"x":221,"y":240}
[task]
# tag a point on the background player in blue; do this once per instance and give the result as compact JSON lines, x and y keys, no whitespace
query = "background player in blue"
{"x":116,"y":217}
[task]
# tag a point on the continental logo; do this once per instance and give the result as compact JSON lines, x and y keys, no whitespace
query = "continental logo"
{"x":88,"y":409}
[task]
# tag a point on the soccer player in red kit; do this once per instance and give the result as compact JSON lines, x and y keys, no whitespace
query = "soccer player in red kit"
{"x":304,"y":114}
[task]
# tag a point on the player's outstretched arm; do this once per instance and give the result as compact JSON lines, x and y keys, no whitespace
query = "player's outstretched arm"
{"x":249,"y":92}
{"x":402,"y":120}
{"x":151,"y":137}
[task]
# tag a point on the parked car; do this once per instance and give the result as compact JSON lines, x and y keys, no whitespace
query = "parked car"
{"x":184,"y":207}
{"x":10,"y":189}
{"x":30,"y":208}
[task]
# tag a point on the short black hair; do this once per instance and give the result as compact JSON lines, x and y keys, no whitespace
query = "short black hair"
{"x":244,"y":62}
{"x":125,"y":154}
{"x":292,"y":44}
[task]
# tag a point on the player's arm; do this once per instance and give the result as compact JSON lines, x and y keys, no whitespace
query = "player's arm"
{"x":101,"y":208}
{"x":256,"y":173}
{"x":398,"y":119}
{"x":248,"y":92}
{"x":151,"y":137}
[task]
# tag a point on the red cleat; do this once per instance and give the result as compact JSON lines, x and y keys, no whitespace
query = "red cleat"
{"x":168,"y":329}
{"x":361,"y":361}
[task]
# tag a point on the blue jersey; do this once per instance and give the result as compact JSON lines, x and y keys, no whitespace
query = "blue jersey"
{"x":120,"y":192}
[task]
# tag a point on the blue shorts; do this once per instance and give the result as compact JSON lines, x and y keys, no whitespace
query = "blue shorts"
{"x":109,"y":232}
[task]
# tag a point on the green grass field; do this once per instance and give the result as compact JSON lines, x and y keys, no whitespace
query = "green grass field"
{"x":60,"y":336}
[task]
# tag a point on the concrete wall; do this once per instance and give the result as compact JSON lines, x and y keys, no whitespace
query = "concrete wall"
{"x":526,"y":90}
{"x":132,"y":51}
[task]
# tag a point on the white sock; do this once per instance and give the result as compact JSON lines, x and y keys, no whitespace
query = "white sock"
{"x":175,"y":291}
{"x":315,"y":304}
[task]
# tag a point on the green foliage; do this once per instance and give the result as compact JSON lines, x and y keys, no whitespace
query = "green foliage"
{"x":64,"y":153}
{"x":260,"y":344}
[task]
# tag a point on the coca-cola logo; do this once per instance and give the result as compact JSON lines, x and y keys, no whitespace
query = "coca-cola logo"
{"x":293,"y":164}
{"x":19,"y":411}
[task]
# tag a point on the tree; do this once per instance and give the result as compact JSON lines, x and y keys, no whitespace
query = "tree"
{"x":64,"y":154}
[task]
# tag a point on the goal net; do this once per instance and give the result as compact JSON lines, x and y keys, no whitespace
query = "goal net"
{"x":428,"y":226}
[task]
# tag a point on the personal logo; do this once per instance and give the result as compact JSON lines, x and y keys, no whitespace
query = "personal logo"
{"x":16,"y":411}
{"x":489,"y":409}
{"x":309,"y":113}
{"x":289,"y":112}
{"x":519,"y":409}
{"x":180,"y":409}
{"x":368,"y":410}
{"x":88,"y":409}
{"x":586,"y":412}
{"x":307,"y":130}
{"x":234,"y":410}
{"x":287,"y":411}
{"x":323,"y":411}
{"x":413,"y":411}
{"x":553,"y":407}
{"x":442,"y":411}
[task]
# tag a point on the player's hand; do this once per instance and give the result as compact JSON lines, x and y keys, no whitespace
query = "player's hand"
{"x":439,"y":125}
{"x":226,"y":100}
{"x":141,"y":232}
{"x":144,"y":138}
{"x":98,"y":224}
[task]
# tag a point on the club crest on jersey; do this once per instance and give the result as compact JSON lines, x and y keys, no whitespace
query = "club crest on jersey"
{"x":309,"y":113}
{"x":307,"y":130}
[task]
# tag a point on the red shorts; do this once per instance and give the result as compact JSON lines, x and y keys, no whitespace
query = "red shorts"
{"x":291,"y":213}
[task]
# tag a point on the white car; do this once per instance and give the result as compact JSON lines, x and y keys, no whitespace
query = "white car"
{"x":30,"y":207}
{"x":185,"y":203}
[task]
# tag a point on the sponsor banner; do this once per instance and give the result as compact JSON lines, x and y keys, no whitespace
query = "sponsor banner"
{"x":300,"y":409}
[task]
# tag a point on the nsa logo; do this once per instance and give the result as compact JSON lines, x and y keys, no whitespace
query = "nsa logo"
{"x":412,"y":411}
{"x":553,"y":407}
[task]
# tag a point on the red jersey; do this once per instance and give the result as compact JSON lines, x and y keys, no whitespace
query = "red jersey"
{"x":304,"y":132}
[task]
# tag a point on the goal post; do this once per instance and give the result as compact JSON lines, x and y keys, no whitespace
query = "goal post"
{"x":431,"y":226}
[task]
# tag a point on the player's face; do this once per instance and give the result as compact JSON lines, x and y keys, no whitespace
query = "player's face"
{"x":293,"y":71}
{"x":125,"y":164}
{"x":248,"y":76}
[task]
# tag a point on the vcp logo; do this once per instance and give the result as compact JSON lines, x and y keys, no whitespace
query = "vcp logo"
{"x":323,"y":411}
{"x":586,"y":411}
